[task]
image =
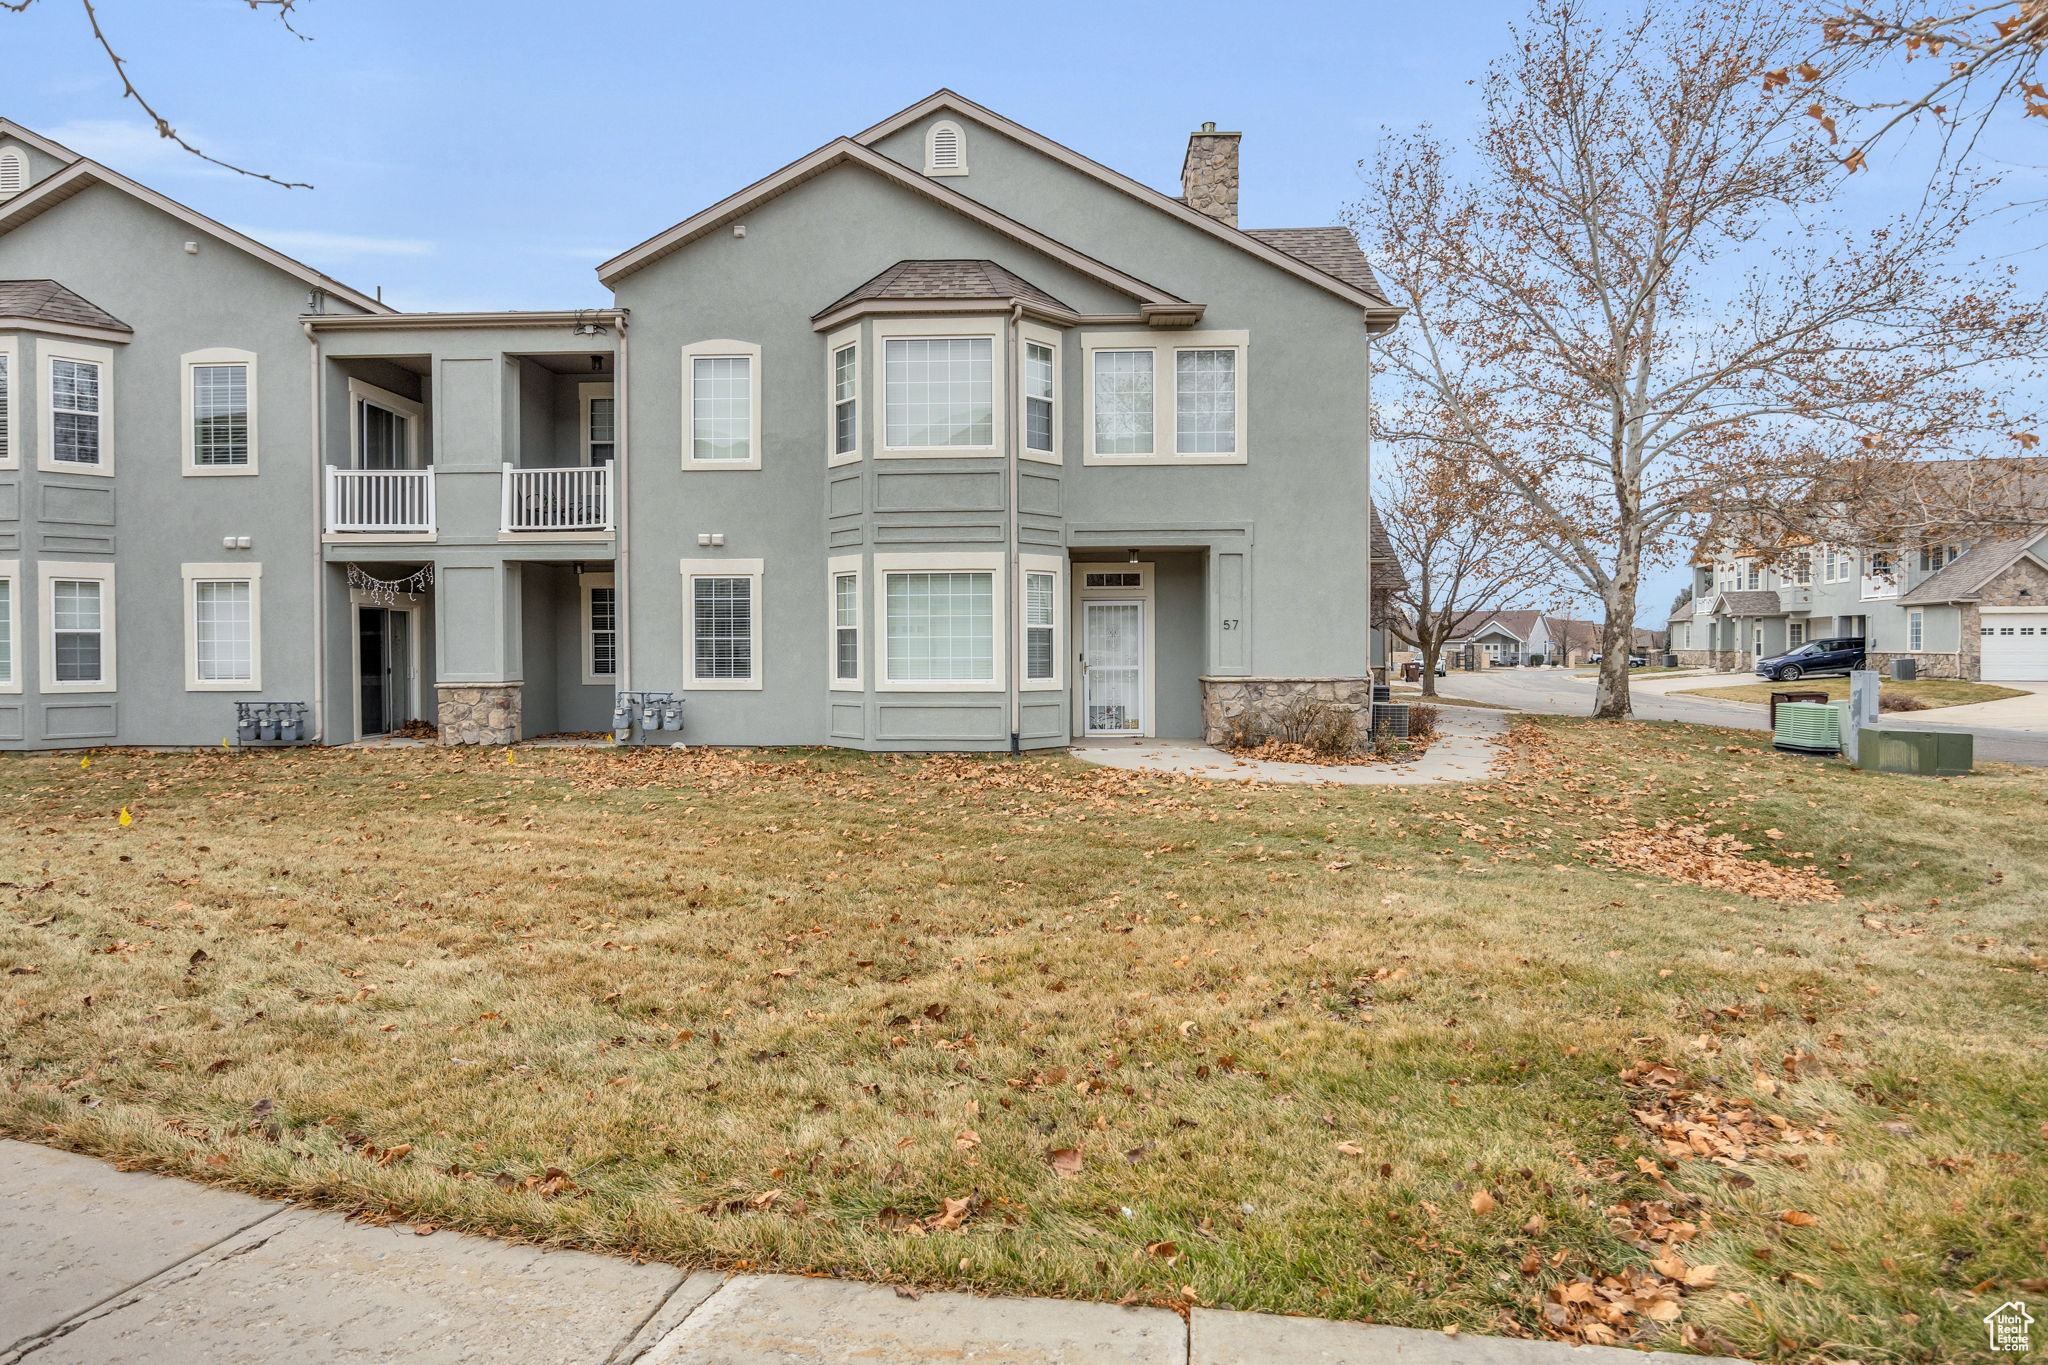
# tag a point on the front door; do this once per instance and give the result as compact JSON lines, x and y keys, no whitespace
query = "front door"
{"x":384,"y":658}
{"x":1113,"y":667}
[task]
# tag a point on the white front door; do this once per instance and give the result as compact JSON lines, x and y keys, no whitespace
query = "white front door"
{"x":1113,"y":668}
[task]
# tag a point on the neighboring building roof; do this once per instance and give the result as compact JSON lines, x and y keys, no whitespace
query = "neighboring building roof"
{"x":1683,"y":613}
{"x":1332,"y":250}
{"x":1520,"y":624}
{"x":1381,"y":315}
{"x":1388,"y":575}
{"x":1972,"y":570}
{"x":82,"y":174}
{"x":1749,"y":602}
{"x":49,"y":301}
{"x":923,"y":280}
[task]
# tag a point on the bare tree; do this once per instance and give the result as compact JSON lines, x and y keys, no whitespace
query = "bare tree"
{"x":282,"y":9}
{"x":1461,"y":559}
{"x":1631,"y":303}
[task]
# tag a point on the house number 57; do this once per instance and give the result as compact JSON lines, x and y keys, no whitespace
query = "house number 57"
{"x":1230,"y":623}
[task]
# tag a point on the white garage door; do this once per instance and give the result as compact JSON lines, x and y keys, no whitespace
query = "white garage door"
{"x":2015,"y":646}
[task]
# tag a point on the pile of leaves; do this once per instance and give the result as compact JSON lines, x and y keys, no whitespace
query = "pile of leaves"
{"x":1278,"y":751}
{"x":1693,"y":1124}
{"x":1693,"y":855}
{"x":1604,"y":1310}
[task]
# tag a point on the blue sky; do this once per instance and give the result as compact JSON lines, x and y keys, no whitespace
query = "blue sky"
{"x":488,"y":155}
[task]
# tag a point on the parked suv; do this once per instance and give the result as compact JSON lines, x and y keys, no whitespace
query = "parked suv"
{"x":1813,"y":657}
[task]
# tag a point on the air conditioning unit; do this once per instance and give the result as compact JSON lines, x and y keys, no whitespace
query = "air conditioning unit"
{"x":1905,"y":670}
{"x":1808,"y":727}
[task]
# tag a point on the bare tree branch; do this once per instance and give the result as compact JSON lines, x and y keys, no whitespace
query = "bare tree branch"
{"x":282,"y":9}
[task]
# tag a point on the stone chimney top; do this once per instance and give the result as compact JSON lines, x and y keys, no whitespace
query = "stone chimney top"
{"x":1208,"y":174}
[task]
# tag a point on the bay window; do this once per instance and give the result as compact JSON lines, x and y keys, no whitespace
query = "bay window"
{"x":939,"y":622}
{"x":76,"y":431}
{"x":845,"y":380}
{"x":1041,"y":384}
{"x":10,"y":623}
{"x":938,"y":393}
{"x":845,"y":611}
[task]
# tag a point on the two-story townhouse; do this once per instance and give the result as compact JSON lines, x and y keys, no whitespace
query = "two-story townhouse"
{"x":1970,"y":608}
{"x":943,"y":436}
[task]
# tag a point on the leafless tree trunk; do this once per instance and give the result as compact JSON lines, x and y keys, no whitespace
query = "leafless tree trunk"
{"x":1632,"y":306}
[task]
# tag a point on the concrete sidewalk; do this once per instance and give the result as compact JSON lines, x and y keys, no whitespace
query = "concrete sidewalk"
{"x":1466,"y":752}
{"x":104,"y":1267}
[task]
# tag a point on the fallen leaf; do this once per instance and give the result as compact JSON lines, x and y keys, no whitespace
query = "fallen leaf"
{"x":1350,"y":1149}
{"x":1066,"y":1162}
{"x":967,"y":1141}
{"x":1483,"y":1202}
{"x":1798,"y":1219}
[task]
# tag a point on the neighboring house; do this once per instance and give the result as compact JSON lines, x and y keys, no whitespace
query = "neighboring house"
{"x":1958,"y":609}
{"x":943,"y":436}
{"x":1501,"y":639}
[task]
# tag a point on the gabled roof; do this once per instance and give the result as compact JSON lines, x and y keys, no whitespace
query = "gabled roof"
{"x":1387,"y":574}
{"x":1520,"y":624}
{"x":1380,"y":315}
{"x":82,"y":174}
{"x":845,"y":151}
{"x":1974,"y":569}
{"x":1750,"y":602}
{"x":928,"y":281}
{"x":49,"y":301}
{"x":14,"y":132}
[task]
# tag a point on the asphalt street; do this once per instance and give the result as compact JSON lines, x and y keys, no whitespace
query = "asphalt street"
{"x":1560,"y":693}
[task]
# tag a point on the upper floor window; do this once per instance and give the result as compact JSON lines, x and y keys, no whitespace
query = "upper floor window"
{"x":938,"y":393}
{"x":1177,"y":404}
{"x":723,"y":381}
{"x":846,"y":400}
{"x":1802,"y":569}
{"x":1040,"y":386}
{"x":945,"y":149}
{"x":1933,"y":557}
{"x":600,"y":414}
{"x":220,"y":412}
{"x":75,"y":430}
{"x":13,"y":172}
{"x":384,"y":428}
{"x":1753,"y":575}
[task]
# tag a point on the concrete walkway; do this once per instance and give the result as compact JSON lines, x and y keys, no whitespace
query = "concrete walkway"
{"x":104,"y":1267}
{"x":1467,"y":752}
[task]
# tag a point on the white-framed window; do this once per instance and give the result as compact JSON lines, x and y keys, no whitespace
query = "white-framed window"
{"x":842,"y":385}
{"x":1041,"y":648}
{"x":1802,"y":569}
{"x":219,"y":411}
{"x":223,"y":627}
{"x":945,"y":149}
{"x":844,"y":611}
{"x":600,"y":628}
{"x":1753,"y":575}
{"x":77,"y":435}
{"x":1838,"y":565}
{"x":941,"y":626}
{"x":384,"y":428}
{"x":1916,"y":631}
{"x":722,"y":381}
{"x":1041,"y":375}
{"x":722,"y":624}
{"x":13,"y":172}
{"x":1936,"y":557}
{"x":78,"y":627}
{"x":1795,"y":634}
{"x":1151,"y":401}
{"x":939,"y":393}
{"x":10,"y":625}
{"x":598,"y":420}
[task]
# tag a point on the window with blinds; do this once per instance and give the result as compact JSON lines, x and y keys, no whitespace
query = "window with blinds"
{"x":845,"y":400}
{"x":1038,"y":625}
{"x":846,"y":626}
{"x":723,"y":627}
{"x":604,"y":631}
{"x":220,"y":415}
{"x":74,"y":411}
{"x":1038,"y":397}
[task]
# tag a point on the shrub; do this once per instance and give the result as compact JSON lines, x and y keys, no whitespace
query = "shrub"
{"x":1535,"y":660}
{"x":1331,"y":731}
{"x":1422,"y":722}
{"x":1899,"y":701}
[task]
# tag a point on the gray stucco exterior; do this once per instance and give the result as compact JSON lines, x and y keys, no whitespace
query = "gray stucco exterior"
{"x":459,"y":457}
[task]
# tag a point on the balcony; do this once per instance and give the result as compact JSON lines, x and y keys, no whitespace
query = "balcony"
{"x":386,"y":502}
{"x":575,"y":498}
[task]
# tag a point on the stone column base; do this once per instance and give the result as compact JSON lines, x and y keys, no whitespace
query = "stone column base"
{"x":1229,"y":703}
{"x":479,"y":713}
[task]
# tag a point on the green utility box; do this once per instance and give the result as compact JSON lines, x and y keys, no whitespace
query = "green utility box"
{"x":1923,"y":753}
{"x":1807,"y":727}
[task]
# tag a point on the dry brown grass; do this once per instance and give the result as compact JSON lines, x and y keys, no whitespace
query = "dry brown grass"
{"x":778,"y":1009}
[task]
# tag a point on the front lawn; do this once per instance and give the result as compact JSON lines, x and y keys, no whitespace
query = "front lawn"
{"x":1450,"y":1055}
{"x":1929,"y":692}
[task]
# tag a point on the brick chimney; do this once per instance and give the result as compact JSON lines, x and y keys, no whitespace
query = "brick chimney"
{"x":1208,"y":174}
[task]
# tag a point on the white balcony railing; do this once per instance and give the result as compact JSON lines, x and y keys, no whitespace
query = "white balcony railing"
{"x":575,"y":498}
{"x":380,"y":501}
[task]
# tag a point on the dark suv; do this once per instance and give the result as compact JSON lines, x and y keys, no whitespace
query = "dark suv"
{"x":1811,"y":658}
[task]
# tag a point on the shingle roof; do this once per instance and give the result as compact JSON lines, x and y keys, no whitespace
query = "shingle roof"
{"x":49,"y":301}
{"x":1520,"y":624}
{"x":1971,"y":571}
{"x":1332,"y":250}
{"x":1387,"y":571}
{"x":1751,"y":602}
{"x":946,"y":280}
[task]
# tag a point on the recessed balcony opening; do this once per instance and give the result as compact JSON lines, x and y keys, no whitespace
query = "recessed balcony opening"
{"x":560,"y":457}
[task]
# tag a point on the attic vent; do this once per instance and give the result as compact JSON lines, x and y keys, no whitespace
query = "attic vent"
{"x":13,"y":173}
{"x":945,"y":150}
